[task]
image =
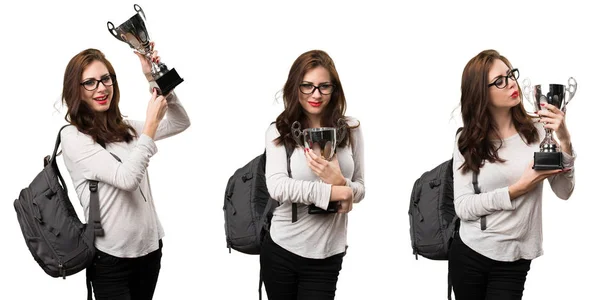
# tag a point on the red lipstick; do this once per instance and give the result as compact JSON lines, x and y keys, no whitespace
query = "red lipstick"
{"x":101,"y":100}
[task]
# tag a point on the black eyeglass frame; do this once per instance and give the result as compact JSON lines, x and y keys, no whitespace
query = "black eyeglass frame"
{"x":314,"y":87}
{"x":511,"y":75}
{"x":112,"y":77}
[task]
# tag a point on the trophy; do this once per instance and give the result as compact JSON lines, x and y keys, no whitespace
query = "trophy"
{"x":134,"y":33}
{"x":323,"y":141}
{"x":549,"y":157}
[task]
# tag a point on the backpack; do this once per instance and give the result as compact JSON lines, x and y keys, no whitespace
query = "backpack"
{"x":433,"y":220}
{"x":53,"y":233}
{"x":248,"y":207}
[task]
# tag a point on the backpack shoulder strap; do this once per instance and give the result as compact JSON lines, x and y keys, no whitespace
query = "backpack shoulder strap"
{"x":288,"y":155}
{"x":483,"y":220}
{"x":52,"y":159}
{"x":94,"y":213}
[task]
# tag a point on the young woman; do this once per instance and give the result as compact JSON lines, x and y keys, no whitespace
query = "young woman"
{"x":302,"y":259}
{"x":498,"y":143}
{"x":100,"y":145}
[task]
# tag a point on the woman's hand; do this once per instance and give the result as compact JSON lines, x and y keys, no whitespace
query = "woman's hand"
{"x":157,"y":108}
{"x":328,"y":171}
{"x":530,"y":179}
{"x":345,"y":207}
{"x":146,"y":64}
{"x":344,"y":196}
{"x":554,"y":118}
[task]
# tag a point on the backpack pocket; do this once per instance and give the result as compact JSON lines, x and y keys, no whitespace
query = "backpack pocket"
{"x":27,"y":226}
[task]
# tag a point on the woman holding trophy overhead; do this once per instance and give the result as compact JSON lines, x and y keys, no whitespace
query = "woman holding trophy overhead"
{"x":497,"y":192}
{"x":102,"y":146}
{"x":302,"y":254}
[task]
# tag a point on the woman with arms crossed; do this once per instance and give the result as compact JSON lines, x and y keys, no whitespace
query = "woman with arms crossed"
{"x":302,"y":259}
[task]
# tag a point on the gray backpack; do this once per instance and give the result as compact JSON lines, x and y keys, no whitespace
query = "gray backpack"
{"x":53,"y":233}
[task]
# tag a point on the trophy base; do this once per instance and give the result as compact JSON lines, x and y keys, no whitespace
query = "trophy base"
{"x":547,"y":160}
{"x":331,"y":208}
{"x":168,"y":82}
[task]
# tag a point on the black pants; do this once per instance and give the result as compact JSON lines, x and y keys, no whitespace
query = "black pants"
{"x":125,"y":278}
{"x":476,"y":277}
{"x":288,"y":276}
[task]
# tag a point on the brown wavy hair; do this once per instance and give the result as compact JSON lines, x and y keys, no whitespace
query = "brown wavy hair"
{"x":476,"y":142}
{"x":105,"y":127}
{"x":293,"y":110}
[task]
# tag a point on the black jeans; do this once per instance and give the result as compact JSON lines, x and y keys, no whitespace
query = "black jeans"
{"x":476,"y":277}
{"x":125,"y":278}
{"x":288,"y":276}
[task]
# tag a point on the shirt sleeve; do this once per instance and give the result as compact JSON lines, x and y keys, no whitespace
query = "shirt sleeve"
{"x":357,"y":182}
{"x":470,"y":206}
{"x":176,"y":120}
{"x":96,"y":163}
{"x":281,"y":187}
{"x":563,"y":184}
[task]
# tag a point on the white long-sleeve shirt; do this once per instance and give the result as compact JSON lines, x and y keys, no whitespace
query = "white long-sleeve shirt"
{"x":514,"y":228}
{"x":127,"y":212}
{"x":312,"y":236}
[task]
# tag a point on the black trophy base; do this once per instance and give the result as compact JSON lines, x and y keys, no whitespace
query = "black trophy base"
{"x":168,"y":82}
{"x":331,"y":208}
{"x":547,"y":160}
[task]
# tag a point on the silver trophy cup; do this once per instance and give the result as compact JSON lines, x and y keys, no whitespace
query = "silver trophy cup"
{"x":324,"y":142}
{"x":134,"y":33}
{"x":549,"y":157}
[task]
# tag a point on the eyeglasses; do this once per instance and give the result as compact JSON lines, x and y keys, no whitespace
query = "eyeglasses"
{"x":92,"y":83}
{"x":309,"y":88}
{"x":502,"y":81}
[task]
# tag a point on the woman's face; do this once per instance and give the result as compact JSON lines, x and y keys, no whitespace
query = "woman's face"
{"x":314,"y":100}
{"x":502,"y":85}
{"x":97,"y":86}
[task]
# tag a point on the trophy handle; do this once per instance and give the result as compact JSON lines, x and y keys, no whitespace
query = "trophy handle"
{"x":139,"y":10}
{"x":111,"y":29}
{"x":527,"y":91}
{"x":297,"y":133}
{"x":342,"y":129}
{"x":571,"y":88}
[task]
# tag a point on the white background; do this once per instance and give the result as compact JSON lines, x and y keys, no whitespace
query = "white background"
{"x":400,"y":65}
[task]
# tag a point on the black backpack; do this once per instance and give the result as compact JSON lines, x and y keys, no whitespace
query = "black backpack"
{"x":433,"y":221}
{"x":432,"y":217}
{"x":55,"y":236}
{"x":248,"y":207}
